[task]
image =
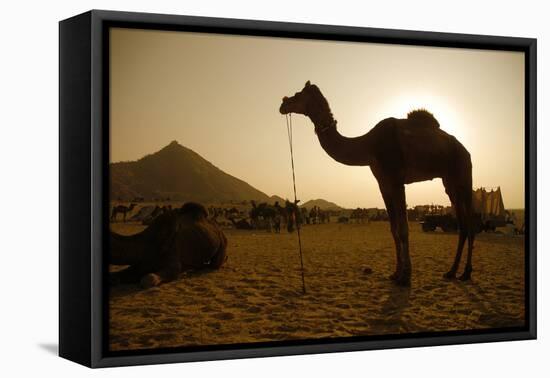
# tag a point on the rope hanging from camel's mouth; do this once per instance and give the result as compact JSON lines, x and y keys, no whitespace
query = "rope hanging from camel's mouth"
{"x":289,"y":131}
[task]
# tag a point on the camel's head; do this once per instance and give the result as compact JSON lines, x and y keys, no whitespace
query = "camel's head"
{"x":300,"y":103}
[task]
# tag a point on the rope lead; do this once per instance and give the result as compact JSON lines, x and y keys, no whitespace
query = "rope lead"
{"x":289,"y":131}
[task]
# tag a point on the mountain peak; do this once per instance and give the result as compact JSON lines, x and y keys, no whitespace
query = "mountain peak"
{"x":173,"y":148}
{"x":173,"y":145}
{"x":178,"y":173}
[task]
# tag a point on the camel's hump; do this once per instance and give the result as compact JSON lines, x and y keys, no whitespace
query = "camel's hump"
{"x":196,"y":210}
{"x":422,"y":117}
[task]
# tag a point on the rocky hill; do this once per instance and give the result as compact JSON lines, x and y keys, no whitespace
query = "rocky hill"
{"x":180,"y":174}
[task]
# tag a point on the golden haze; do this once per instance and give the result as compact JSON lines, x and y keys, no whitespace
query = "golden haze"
{"x":219,"y":95}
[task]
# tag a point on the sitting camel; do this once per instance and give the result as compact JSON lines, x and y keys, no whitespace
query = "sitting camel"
{"x":177,"y":240}
{"x":241,"y":224}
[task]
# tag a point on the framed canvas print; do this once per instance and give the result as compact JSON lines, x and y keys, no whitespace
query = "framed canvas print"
{"x":234,"y":188}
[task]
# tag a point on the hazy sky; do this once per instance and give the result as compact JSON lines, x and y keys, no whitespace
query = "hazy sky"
{"x":220,"y":96}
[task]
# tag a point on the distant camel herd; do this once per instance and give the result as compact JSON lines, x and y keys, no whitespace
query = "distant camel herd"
{"x":121,"y":209}
{"x":259,"y":216}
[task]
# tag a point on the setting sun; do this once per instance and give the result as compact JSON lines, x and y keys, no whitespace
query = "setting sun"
{"x":447,"y":117}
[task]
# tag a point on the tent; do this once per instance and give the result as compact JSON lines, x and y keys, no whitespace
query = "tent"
{"x":488,"y":204}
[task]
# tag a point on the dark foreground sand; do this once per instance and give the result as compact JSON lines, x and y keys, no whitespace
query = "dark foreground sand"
{"x":257,"y":296}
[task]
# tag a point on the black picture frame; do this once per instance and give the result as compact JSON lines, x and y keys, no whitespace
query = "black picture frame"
{"x":83,"y":181}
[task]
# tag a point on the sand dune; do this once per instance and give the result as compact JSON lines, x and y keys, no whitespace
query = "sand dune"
{"x":257,"y":295}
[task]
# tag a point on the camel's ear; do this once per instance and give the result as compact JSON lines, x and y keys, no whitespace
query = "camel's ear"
{"x":308,"y":84}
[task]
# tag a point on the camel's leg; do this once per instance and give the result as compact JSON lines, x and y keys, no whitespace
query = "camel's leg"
{"x":393,"y":226}
{"x":169,"y":268}
{"x":168,"y":273}
{"x":468,"y":268}
{"x":458,"y":205}
{"x":471,"y":237}
{"x":132,"y":274}
{"x":400,"y":209}
{"x":463,"y":233}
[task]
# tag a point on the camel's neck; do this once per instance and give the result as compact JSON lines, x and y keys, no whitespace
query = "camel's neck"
{"x":126,"y":250}
{"x":349,"y":151}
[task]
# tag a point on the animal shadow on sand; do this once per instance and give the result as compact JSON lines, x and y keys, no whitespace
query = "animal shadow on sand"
{"x":393,"y":308}
{"x":492,"y":315}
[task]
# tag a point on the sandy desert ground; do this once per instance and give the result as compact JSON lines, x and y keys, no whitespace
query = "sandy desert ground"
{"x":257,"y":296}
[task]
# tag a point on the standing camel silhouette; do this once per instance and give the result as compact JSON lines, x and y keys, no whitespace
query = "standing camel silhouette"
{"x":399,"y":152}
{"x":123,"y":210}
